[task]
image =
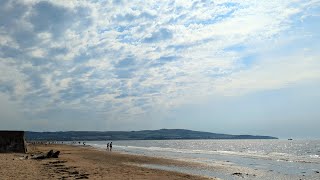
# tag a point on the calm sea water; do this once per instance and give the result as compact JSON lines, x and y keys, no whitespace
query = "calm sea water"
{"x":268,"y":158}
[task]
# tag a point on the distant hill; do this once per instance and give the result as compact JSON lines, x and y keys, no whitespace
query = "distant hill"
{"x":162,"y":134}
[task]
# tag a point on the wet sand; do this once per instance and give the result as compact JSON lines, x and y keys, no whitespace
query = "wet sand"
{"x":78,"y":162}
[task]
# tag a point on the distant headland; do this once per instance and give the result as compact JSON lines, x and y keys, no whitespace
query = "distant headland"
{"x":161,"y":134}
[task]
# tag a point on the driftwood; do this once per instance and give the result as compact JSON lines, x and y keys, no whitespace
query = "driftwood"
{"x":50,"y":154}
{"x":56,"y":154}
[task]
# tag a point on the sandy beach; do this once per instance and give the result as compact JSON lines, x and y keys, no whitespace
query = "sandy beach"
{"x":78,"y":162}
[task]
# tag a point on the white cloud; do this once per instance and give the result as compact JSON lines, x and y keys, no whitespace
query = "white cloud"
{"x":273,"y":73}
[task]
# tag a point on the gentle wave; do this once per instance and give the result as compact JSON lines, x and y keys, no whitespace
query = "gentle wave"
{"x":315,"y":156}
{"x":251,"y":154}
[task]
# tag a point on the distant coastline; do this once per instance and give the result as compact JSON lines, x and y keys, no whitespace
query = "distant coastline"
{"x":161,"y":134}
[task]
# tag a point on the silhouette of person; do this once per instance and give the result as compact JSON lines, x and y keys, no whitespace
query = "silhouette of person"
{"x":110,"y":146}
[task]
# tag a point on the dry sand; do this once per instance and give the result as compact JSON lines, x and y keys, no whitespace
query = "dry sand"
{"x":76,"y":162}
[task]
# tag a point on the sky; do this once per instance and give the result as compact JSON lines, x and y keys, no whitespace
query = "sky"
{"x":237,"y":67}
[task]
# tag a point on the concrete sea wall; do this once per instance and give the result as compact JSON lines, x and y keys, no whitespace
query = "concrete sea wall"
{"x":12,"y":141}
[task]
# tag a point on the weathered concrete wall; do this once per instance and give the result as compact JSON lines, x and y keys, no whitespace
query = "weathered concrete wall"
{"x":12,"y":141}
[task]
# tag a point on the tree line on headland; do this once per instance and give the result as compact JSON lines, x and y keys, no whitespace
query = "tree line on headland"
{"x":162,"y":134}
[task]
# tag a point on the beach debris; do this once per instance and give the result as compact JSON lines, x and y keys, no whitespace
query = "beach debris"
{"x":238,"y":174}
{"x":22,"y":157}
{"x":50,"y":154}
{"x":241,"y":174}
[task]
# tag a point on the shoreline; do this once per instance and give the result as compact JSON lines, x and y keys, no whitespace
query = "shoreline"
{"x":227,"y":166}
{"x":86,"y":162}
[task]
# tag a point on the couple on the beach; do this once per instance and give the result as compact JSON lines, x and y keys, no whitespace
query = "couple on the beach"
{"x":109,"y":146}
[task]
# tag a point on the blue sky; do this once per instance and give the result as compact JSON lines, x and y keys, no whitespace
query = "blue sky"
{"x":238,"y":67}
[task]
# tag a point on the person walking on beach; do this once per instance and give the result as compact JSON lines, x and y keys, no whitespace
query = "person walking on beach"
{"x":110,"y":146}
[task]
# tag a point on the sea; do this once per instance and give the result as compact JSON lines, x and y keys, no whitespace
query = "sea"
{"x":230,"y":159}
